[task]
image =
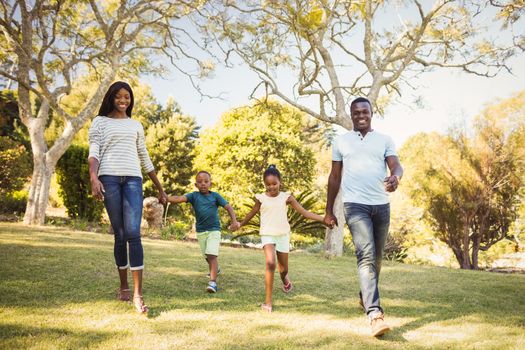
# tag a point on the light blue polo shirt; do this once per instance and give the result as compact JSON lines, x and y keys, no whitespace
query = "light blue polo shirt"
{"x":364,"y":166}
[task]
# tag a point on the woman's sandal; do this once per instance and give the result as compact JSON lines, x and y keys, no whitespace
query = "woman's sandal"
{"x":123,"y":294}
{"x":138,"y":302}
{"x":266,"y":307}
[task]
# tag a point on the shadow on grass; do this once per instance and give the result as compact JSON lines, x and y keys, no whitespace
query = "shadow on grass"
{"x":15,"y":337}
{"x":70,"y":268}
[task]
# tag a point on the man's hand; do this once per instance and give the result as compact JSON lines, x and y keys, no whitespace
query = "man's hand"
{"x":330,"y":220}
{"x":391,"y":183}
{"x":97,"y":189}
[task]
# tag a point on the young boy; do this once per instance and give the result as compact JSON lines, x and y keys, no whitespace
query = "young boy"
{"x":205,"y":203}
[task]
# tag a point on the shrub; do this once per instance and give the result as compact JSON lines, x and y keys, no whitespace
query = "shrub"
{"x":14,"y":202}
{"x":75,"y":188}
{"x":15,"y":166}
{"x":177,"y":230}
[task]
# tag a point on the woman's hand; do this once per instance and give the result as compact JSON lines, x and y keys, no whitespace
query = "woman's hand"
{"x":163,"y":197}
{"x":97,"y":189}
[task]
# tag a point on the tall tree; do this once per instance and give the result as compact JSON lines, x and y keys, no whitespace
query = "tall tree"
{"x":171,"y":143}
{"x":471,"y":184}
{"x":510,"y":13}
{"x":46,"y":45}
{"x":336,"y":50}
{"x":246,"y":140}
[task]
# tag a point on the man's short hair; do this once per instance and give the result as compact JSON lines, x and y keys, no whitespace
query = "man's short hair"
{"x":360,"y":99}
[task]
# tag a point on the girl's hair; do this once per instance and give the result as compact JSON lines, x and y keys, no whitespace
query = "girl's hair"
{"x":108,"y":104}
{"x":272,"y":170}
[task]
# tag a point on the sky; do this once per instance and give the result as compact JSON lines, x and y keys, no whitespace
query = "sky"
{"x":448,"y":97}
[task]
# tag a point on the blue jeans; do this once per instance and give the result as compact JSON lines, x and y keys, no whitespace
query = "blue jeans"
{"x":123,"y":202}
{"x":369,"y":228}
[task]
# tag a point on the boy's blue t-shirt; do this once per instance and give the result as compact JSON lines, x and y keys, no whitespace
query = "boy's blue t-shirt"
{"x":206,"y":209}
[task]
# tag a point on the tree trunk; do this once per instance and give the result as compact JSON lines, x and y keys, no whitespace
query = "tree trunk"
{"x":334,"y":237}
{"x":44,"y":163}
{"x":465,"y":245}
{"x":475,"y":251}
{"x":39,"y":192}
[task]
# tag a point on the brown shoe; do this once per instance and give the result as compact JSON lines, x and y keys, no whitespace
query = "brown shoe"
{"x":378,"y":325}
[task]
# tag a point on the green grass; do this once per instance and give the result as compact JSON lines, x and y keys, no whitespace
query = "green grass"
{"x":57,"y":292}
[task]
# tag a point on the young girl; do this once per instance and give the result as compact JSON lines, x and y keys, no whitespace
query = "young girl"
{"x":275,"y":229}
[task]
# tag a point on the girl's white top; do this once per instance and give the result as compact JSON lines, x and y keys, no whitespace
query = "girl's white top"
{"x":119,"y":146}
{"x":274,"y":218}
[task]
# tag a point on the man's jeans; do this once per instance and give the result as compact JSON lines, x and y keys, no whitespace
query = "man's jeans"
{"x":123,"y":201}
{"x":369,"y":228}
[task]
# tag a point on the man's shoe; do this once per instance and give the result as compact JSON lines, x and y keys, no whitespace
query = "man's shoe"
{"x":378,"y":325}
{"x":212,"y":287}
{"x":218,"y":272}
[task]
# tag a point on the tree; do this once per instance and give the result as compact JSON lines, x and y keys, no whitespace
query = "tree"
{"x":246,"y":140}
{"x":336,"y":50}
{"x":47,"y":45}
{"x":171,"y":144}
{"x":510,"y":13}
{"x":10,"y":124}
{"x":471,"y":185}
{"x":73,"y":179}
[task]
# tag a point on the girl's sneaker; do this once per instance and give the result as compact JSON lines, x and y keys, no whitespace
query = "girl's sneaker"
{"x":287,"y":287}
{"x":212,"y":287}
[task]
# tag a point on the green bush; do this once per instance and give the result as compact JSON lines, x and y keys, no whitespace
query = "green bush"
{"x":75,"y":187}
{"x":177,"y":230}
{"x":171,"y":144}
{"x":14,"y":202}
{"x":15,"y":166}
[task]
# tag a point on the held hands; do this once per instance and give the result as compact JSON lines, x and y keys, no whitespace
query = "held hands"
{"x":234,"y":226}
{"x":97,"y":189}
{"x":391,"y":183}
{"x":330,"y":220}
{"x":163,"y":197}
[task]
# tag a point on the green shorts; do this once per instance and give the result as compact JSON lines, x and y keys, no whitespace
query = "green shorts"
{"x":281,"y":242}
{"x":209,"y":242}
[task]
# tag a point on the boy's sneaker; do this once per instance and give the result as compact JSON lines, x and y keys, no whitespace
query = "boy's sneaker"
{"x":218,"y":272}
{"x":287,"y":287}
{"x":212,"y":287}
{"x":378,"y":325}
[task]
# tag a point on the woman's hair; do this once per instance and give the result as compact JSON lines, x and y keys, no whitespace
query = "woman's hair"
{"x":272,"y":170}
{"x":108,"y":104}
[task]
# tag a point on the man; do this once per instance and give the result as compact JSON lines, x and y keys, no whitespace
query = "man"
{"x":360,"y":159}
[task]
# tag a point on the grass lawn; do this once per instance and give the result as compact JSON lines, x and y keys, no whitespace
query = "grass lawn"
{"x":57,"y":292}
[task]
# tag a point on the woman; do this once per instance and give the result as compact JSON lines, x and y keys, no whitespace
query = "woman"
{"x":116,"y":153}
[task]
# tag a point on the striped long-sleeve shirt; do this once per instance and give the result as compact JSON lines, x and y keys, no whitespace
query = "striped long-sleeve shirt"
{"x":118,"y":145}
